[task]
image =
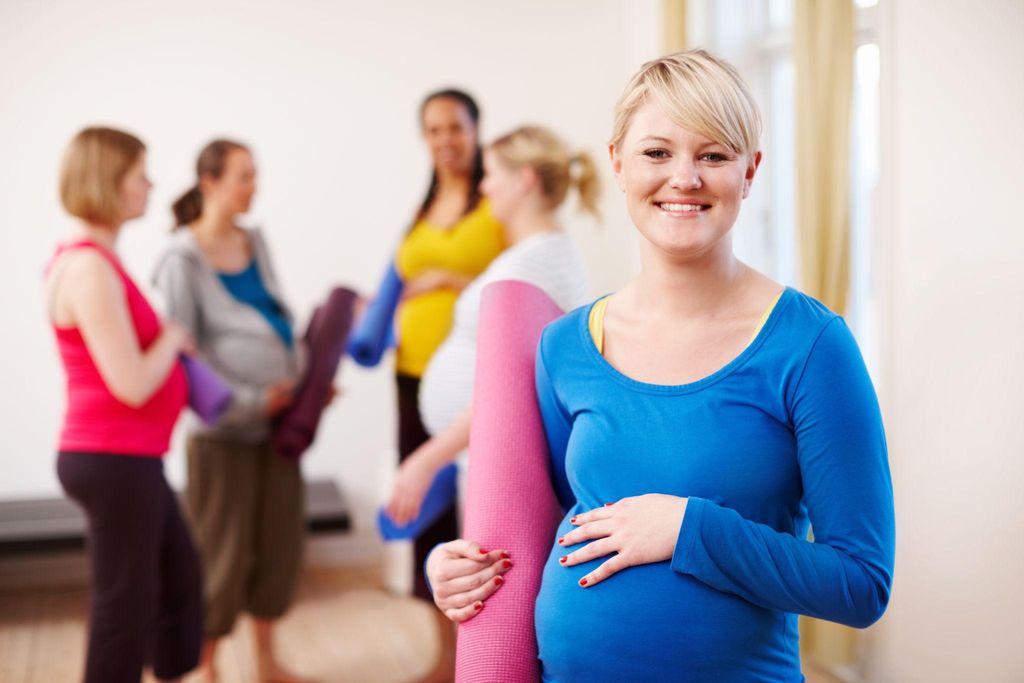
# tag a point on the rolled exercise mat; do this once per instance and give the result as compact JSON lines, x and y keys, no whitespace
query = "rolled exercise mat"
{"x":510,"y":501}
{"x":326,"y":336}
{"x":208,"y":395}
{"x":373,"y":333}
{"x":440,"y":496}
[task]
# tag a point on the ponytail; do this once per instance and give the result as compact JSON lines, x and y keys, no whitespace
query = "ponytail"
{"x":583,"y":175}
{"x":188,"y":207}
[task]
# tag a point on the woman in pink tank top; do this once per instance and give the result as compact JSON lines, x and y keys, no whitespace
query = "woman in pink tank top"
{"x":125,"y":390}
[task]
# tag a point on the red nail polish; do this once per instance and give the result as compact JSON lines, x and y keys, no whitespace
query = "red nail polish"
{"x":498,"y":580}
{"x":561,"y":540}
{"x":478,"y":606}
{"x":583,"y":582}
{"x":572,"y":520}
{"x":608,"y":505}
{"x":482,"y":551}
{"x":506,"y":564}
{"x":504,"y":556}
{"x":563,"y":560}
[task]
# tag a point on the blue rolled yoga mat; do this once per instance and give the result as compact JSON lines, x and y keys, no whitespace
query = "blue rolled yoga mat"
{"x":440,"y":496}
{"x":374,"y":332}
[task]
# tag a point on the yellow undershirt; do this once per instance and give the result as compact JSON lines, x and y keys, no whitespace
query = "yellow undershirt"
{"x":467,"y":247}
{"x":596,"y":321}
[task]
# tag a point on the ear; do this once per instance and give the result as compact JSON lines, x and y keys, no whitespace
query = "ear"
{"x":615,"y":156}
{"x":207,"y":184}
{"x":748,"y":176}
{"x":528,"y":179}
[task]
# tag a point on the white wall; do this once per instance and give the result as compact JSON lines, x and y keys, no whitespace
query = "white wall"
{"x":327,"y":95}
{"x":954,"y":368}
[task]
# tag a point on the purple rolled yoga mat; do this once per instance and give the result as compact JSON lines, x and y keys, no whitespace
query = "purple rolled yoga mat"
{"x":208,"y":395}
{"x":326,"y":336}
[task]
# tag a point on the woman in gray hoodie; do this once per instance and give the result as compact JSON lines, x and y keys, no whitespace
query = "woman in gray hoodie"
{"x":245,"y":503}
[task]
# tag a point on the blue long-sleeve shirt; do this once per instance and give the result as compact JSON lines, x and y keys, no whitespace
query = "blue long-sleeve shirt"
{"x":786,"y":435}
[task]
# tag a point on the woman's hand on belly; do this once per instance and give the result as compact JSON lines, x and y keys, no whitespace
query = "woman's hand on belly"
{"x":638,"y":530}
{"x":433,"y":279}
{"x":278,"y":396}
{"x":462,"y":575}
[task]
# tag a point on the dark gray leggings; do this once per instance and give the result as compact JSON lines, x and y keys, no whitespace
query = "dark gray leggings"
{"x":146,"y":592}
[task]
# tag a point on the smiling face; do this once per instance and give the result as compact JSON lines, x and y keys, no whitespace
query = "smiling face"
{"x":683,"y":190}
{"x":450,"y":134}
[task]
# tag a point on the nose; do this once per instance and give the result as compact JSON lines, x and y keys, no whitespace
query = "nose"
{"x":685,"y":176}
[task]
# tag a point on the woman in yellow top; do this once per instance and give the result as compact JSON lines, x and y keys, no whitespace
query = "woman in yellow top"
{"x":453,"y":239}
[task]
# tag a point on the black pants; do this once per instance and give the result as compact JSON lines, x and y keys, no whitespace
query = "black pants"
{"x":146,"y":592}
{"x":411,"y":435}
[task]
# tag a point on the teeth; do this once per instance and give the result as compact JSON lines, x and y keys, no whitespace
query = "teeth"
{"x":681,"y":207}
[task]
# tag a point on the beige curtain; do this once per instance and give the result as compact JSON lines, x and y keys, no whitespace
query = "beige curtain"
{"x":673,"y":25}
{"x":823,"y":46}
{"x":823,"y":50}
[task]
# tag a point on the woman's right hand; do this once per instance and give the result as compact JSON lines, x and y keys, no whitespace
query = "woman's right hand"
{"x":463,"y":575}
{"x":180,"y":338}
{"x":278,"y":396}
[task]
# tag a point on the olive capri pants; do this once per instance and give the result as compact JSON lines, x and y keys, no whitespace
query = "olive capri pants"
{"x":247,"y":508}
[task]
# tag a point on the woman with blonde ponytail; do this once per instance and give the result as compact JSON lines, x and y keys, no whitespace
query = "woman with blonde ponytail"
{"x":528,"y":174}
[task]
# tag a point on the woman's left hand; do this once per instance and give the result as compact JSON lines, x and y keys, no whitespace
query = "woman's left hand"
{"x":640,"y":530}
{"x":411,"y":486}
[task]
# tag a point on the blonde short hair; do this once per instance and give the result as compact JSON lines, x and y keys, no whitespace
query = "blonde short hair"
{"x":94,"y":165}
{"x":698,"y":91}
{"x":557,"y":169}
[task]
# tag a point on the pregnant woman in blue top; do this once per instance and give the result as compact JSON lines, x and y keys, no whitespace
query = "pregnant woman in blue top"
{"x":700,"y":420}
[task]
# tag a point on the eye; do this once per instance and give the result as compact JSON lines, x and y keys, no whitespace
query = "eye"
{"x":655,"y":153}
{"x":714,"y":157}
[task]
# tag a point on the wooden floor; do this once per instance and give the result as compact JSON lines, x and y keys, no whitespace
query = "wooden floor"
{"x":344,"y":628}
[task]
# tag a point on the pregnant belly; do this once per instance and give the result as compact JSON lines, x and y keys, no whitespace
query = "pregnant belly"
{"x":447,"y":385}
{"x":653,"y":624}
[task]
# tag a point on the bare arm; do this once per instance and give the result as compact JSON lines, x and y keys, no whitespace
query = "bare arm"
{"x":434,"y":279}
{"x":93,"y":296}
{"x":419,"y":469}
{"x":442,"y":448}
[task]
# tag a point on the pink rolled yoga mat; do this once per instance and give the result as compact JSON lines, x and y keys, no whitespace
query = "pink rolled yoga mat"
{"x":510,"y":501}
